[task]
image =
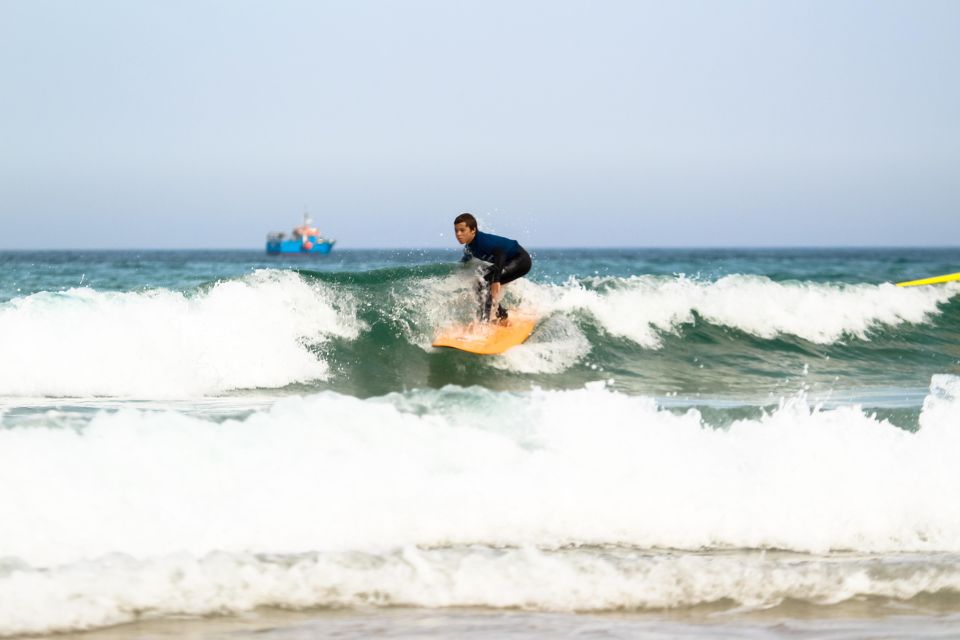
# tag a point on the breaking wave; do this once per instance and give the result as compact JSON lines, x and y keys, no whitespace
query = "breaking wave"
{"x":250,"y":332}
{"x":553,"y":500}
{"x":370,"y":333}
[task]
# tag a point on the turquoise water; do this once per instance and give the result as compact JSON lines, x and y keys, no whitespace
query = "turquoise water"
{"x":28,"y":272}
{"x":196,"y":433}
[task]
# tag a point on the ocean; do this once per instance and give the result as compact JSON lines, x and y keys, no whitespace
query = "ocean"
{"x":701,"y":443}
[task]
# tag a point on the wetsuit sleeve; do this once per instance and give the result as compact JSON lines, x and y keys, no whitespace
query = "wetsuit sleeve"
{"x":466,"y":255}
{"x":499,"y":258}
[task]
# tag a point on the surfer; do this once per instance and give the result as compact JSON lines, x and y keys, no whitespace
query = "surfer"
{"x":508,"y":261}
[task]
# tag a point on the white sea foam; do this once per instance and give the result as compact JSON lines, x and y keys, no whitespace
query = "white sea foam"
{"x":334,"y":500}
{"x":119,"y":589}
{"x":642,"y":308}
{"x":245,"y":333}
{"x":590,"y":466}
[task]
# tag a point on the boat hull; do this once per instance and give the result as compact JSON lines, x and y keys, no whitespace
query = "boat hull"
{"x":296,"y":247}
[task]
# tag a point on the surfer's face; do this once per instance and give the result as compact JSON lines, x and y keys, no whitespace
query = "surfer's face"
{"x":465,"y":234}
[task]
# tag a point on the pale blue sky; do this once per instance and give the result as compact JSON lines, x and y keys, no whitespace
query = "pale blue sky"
{"x":590,"y":123}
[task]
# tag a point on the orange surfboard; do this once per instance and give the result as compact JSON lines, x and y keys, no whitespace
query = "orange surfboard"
{"x":487,"y":338}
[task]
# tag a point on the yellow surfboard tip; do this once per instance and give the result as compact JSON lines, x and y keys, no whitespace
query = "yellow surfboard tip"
{"x":950,"y":277}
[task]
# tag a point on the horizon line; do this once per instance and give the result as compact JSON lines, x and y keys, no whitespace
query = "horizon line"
{"x":532,"y":248}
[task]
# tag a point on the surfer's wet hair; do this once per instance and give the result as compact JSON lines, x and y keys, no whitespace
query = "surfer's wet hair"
{"x":468,"y":218}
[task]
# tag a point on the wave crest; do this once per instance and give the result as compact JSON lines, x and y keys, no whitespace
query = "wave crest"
{"x":251,"y":332}
{"x":641,"y":308}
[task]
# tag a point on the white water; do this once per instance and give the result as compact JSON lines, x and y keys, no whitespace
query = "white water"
{"x":332,"y":472}
{"x":642,"y":308}
{"x":119,"y":589}
{"x":335,"y":474}
{"x":245,"y":333}
{"x":456,"y":497}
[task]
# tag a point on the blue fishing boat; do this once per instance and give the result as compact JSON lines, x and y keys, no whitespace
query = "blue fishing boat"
{"x":305,"y":239}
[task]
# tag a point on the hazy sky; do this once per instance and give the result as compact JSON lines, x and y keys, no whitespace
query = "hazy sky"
{"x":592,"y":123}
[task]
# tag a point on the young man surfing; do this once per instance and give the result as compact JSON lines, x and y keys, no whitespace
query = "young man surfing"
{"x":508,"y":261}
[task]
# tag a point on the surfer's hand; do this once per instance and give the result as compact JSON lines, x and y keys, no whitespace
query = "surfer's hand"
{"x":495,"y":290}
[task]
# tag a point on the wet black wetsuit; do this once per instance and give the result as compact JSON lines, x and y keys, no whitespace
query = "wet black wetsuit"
{"x":509,"y":261}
